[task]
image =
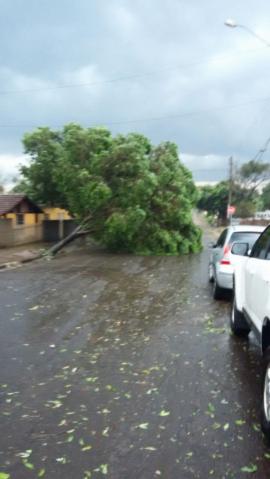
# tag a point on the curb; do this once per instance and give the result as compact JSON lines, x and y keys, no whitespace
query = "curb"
{"x":16,"y":264}
{"x":11,"y":264}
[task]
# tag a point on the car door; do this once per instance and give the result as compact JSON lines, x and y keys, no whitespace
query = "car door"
{"x":257,"y":280}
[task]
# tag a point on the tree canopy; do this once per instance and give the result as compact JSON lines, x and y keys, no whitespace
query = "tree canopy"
{"x":245,"y":192}
{"x":265,"y":197}
{"x":134,"y":197}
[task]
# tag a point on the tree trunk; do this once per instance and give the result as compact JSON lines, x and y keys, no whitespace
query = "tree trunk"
{"x":79,"y":231}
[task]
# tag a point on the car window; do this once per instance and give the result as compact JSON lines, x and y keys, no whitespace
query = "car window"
{"x":222,"y":238}
{"x":262,"y":245}
{"x":244,"y":237}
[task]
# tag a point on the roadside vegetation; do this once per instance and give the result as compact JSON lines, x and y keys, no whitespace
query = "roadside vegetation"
{"x":128,"y":194}
{"x":245,"y":190}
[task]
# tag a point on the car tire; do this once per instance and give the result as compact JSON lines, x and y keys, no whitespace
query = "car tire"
{"x":218,"y":292}
{"x":210,"y":273}
{"x":238,"y":323}
{"x":265,"y":410}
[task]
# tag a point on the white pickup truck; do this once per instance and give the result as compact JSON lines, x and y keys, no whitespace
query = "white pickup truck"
{"x":251,"y":306}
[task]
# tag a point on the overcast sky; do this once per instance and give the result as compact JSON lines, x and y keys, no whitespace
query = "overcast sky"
{"x":170,"y":70}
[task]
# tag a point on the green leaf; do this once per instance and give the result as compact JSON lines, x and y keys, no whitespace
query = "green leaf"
{"x":4,"y":475}
{"x":164,"y":413}
{"x":240,"y":422}
{"x":61,"y":460}
{"x":144,"y":425}
{"x":256,"y":427}
{"x":249,"y":469}
{"x":91,"y":379}
{"x":25,"y":454}
{"x":103,"y":469}
{"x":28,"y":465}
{"x":86,"y":448}
{"x":41,"y":473}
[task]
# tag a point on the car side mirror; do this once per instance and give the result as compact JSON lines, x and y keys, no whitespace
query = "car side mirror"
{"x":240,"y":249}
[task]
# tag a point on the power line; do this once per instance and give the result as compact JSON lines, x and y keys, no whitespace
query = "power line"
{"x":124,"y":78}
{"x":260,"y":153}
{"x":150,"y":119}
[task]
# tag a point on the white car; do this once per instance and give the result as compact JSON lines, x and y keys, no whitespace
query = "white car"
{"x":222,"y":262}
{"x":251,"y":305}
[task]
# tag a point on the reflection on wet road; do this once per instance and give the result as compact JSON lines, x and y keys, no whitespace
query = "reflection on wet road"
{"x":124,"y":367}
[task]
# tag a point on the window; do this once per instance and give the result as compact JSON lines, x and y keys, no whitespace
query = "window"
{"x":262,"y":245}
{"x":20,"y":219}
{"x":244,"y":237}
{"x":222,"y":238}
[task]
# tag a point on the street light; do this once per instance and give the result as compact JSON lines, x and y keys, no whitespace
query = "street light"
{"x":231,"y":23}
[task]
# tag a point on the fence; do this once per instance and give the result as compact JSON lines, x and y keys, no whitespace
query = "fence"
{"x":13,"y":235}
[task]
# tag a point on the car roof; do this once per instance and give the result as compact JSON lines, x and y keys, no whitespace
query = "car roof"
{"x":246,"y":228}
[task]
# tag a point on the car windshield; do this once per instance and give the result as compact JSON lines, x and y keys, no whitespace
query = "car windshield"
{"x":245,"y":237}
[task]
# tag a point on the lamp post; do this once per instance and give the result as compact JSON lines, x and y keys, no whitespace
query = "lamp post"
{"x":231,"y":23}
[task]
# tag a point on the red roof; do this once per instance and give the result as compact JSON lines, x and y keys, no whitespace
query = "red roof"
{"x":8,"y":202}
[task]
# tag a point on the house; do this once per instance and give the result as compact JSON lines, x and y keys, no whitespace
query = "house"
{"x":20,"y":220}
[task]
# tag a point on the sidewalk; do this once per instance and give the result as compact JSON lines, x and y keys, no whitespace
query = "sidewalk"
{"x":20,"y":254}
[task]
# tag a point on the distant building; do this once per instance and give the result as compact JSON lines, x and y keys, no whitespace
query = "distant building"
{"x":56,"y":213}
{"x":262,"y":215}
{"x":20,"y":209}
{"x":20,"y":220}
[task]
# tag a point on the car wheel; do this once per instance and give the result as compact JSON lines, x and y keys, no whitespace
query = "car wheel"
{"x":265,"y":414}
{"x":211,"y":273}
{"x":238,"y":323}
{"x":218,"y":292}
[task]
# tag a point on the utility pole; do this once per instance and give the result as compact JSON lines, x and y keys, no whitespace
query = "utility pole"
{"x":229,"y":213}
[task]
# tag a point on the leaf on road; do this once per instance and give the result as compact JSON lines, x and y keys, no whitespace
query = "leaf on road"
{"x":144,"y":425}
{"x":25,"y":454}
{"x":34,"y":308}
{"x":4,"y":475}
{"x":28,"y":465}
{"x":164,"y":413}
{"x":211,"y":410}
{"x":103,"y":469}
{"x":86,"y":448}
{"x":91,"y":379}
{"x":240,"y":422}
{"x":249,"y":469}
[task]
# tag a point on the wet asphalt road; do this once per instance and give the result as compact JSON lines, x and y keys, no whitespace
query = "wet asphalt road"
{"x":124,"y":367}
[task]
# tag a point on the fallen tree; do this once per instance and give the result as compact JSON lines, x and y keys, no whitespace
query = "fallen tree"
{"x":128,"y":194}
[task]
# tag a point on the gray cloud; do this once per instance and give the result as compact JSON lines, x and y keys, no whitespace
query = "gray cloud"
{"x":200,"y":76}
